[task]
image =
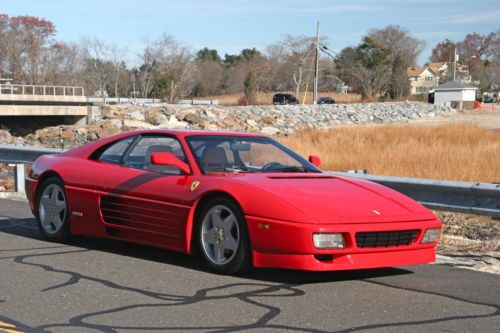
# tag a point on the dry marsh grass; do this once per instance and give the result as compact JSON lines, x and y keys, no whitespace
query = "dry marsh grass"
{"x":453,"y":152}
{"x":267,"y":98}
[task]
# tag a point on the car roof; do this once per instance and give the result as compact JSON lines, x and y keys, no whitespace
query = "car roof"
{"x":190,"y":132}
{"x":86,"y":150}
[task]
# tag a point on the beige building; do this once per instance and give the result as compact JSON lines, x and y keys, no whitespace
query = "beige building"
{"x":445,"y":71}
{"x":422,"y":79}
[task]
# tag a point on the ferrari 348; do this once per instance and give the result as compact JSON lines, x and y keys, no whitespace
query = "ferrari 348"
{"x":237,"y":199}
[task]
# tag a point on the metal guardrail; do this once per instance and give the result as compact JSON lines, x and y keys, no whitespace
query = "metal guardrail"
{"x":198,"y":102}
{"x":478,"y":198}
{"x":24,"y":154}
{"x":466,"y":197}
{"x":21,"y":155}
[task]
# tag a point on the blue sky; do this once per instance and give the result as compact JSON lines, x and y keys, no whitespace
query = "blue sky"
{"x":230,"y":25}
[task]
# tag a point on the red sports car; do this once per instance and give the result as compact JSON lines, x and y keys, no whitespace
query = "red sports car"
{"x":239,"y":199}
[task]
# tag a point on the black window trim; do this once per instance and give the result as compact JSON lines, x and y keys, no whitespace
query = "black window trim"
{"x":161,"y":135}
{"x":96,"y":155}
{"x":299,"y":158}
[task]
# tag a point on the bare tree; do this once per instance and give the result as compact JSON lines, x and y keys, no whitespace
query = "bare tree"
{"x":25,"y":40}
{"x":60,"y":65}
{"x":404,"y":50}
{"x":279,"y":76}
{"x":174,"y":68}
{"x":476,"y":51}
{"x":103,"y":65}
{"x":209,"y":75}
{"x":249,"y":60}
{"x":402,"y":43}
{"x":4,"y":22}
{"x":300,"y":51}
{"x":144,"y":73}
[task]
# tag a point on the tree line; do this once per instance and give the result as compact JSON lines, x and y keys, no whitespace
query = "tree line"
{"x":169,"y":69}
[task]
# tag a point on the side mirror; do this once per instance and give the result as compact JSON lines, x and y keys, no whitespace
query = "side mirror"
{"x":169,"y":159}
{"x":315,"y":160}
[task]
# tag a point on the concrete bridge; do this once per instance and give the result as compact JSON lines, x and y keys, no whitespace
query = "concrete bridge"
{"x":43,"y":101}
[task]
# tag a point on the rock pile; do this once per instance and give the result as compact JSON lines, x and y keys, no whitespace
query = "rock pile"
{"x":270,"y":120}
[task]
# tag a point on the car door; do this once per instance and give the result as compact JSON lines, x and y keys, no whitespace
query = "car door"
{"x":144,"y":202}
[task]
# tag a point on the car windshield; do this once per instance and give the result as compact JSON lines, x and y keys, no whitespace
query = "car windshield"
{"x":245,"y":154}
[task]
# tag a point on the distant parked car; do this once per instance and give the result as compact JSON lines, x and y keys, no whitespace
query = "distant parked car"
{"x":487,"y":99}
{"x":284,"y":99}
{"x":325,"y":100}
{"x":430,"y":97}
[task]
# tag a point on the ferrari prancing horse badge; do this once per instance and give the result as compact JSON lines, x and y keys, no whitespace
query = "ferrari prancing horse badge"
{"x":194,"y":185}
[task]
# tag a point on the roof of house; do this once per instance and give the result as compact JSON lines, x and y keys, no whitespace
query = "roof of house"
{"x":436,"y":65}
{"x":415,"y":71}
{"x":454,"y":85}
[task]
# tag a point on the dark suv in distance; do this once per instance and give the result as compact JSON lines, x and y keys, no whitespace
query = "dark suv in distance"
{"x":285,"y":99}
{"x":325,"y":100}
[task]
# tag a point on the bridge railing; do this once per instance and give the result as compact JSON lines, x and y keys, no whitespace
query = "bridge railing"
{"x":40,"y":90}
{"x":123,"y":100}
{"x":477,"y":198}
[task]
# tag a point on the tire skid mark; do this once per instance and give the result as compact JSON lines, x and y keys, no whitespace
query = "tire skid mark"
{"x":170,"y":300}
{"x":263,"y":290}
{"x":496,"y":312}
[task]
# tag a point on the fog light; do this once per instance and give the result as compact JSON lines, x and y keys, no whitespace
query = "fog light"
{"x":431,"y":235}
{"x":328,"y":241}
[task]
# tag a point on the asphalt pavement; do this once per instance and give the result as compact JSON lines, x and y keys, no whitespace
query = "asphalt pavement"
{"x":96,"y":285}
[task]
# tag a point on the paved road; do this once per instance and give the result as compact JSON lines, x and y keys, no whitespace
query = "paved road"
{"x":95,"y":285}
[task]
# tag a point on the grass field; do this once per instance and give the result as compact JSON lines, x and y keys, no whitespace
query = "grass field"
{"x":267,"y":98}
{"x":460,"y":152}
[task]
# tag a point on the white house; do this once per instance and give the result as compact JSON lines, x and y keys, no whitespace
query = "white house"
{"x":454,"y":91}
{"x":422,"y":79}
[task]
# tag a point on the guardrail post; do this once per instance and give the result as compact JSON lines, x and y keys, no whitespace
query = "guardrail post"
{"x":20,"y":178}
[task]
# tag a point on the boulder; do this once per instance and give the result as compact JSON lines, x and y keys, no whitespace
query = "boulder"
{"x":130,"y":124}
{"x":136,"y":115}
{"x":5,"y":136}
{"x":269,"y":130}
{"x":155,"y":117}
{"x":174,"y":123}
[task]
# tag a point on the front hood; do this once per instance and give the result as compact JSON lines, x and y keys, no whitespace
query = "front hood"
{"x":329,"y":199}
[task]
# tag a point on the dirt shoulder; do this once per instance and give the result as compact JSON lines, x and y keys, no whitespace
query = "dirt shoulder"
{"x":470,"y":241}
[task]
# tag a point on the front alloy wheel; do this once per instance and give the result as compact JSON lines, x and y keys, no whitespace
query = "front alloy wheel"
{"x":220,"y":235}
{"x":223,"y":237}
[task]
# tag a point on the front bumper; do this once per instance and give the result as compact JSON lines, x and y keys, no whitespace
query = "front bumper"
{"x":282,"y":244}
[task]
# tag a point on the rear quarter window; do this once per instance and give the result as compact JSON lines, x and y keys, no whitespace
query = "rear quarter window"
{"x":115,"y":152}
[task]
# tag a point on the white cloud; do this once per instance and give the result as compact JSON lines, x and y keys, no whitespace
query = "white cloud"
{"x":475,"y":17}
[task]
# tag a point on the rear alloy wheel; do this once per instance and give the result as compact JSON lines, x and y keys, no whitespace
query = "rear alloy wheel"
{"x":52,"y":210}
{"x":223,"y":237}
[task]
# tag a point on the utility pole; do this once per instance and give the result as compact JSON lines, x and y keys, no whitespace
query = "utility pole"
{"x":455,"y":56}
{"x":316,"y":67}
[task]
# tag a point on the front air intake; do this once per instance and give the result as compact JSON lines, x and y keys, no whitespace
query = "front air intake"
{"x":386,"y":238}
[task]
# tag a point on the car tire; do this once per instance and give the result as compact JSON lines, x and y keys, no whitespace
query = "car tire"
{"x":52,"y":213}
{"x":222,"y":236}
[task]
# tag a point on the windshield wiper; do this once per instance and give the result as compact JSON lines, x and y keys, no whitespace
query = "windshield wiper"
{"x":289,"y":168}
{"x":234,"y":169}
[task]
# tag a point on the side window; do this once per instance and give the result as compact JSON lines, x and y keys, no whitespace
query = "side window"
{"x":140,"y":156}
{"x":114,"y":153}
